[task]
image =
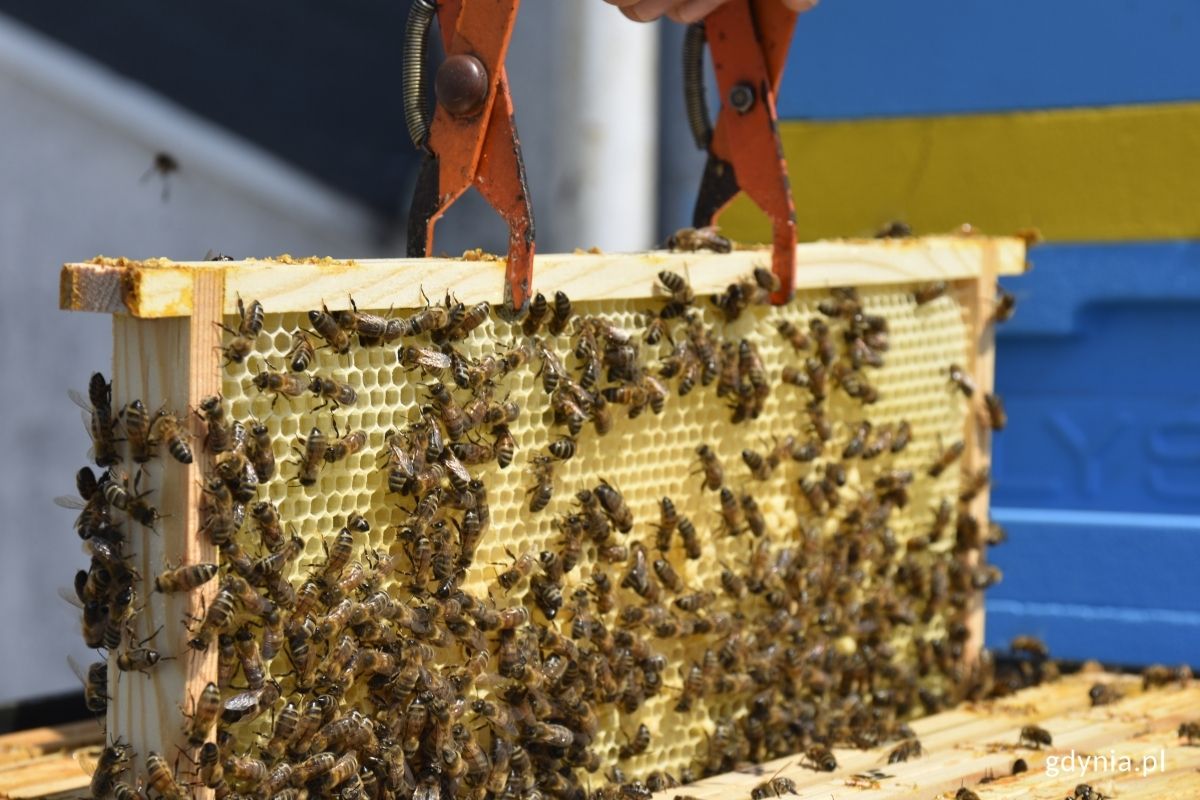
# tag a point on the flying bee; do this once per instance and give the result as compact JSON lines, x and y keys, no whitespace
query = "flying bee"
{"x":929,"y":292}
{"x":166,"y":427}
{"x":694,"y":240}
{"x":326,"y":327}
{"x":947,"y":457}
{"x":312,"y":456}
{"x":710,"y":465}
{"x":1034,"y":736}
{"x":345,"y":446}
{"x":280,"y":384}
{"x":333,"y":392}
{"x":100,"y":421}
{"x":185,"y":578}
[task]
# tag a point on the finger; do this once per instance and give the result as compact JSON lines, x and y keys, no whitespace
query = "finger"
{"x":647,"y":10}
{"x":690,"y":11}
{"x":800,"y":5}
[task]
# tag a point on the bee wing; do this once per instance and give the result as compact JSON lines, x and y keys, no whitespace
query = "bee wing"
{"x":243,"y":701}
{"x":454,"y":465}
{"x":88,"y":758}
{"x":80,"y":671}
{"x":70,"y":597}
{"x":79,"y":400}
{"x":66,"y":501}
{"x":434,"y":359}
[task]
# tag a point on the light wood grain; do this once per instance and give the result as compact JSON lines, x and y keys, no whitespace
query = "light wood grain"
{"x":22,"y":745}
{"x":172,"y":363}
{"x":977,"y":298}
{"x":972,"y":742}
{"x":160,"y":288}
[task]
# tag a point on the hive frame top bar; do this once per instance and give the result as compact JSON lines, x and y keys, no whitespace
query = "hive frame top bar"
{"x":159,"y":288}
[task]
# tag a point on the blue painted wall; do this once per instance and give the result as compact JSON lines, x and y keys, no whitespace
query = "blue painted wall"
{"x":1098,"y":475}
{"x":918,"y":57}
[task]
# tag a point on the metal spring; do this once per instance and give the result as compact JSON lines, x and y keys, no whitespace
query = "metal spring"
{"x":694,"y":100}
{"x":413,"y":83}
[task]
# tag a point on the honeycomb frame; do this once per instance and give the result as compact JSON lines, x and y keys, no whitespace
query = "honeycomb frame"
{"x":911,"y":388}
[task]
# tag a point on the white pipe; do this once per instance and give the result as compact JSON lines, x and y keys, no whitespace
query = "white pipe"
{"x":606,"y":141}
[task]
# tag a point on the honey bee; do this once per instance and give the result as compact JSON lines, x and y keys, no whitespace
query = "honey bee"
{"x":909,"y":748}
{"x":204,"y":715}
{"x":947,"y":457}
{"x":974,"y":485}
{"x":760,"y":468}
{"x":312,"y":456}
{"x":100,"y":422}
{"x":345,"y":446}
{"x":820,"y":758}
{"x":694,"y":240}
{"x":694,"y":686}
{"x":166,"y":427}
{"x":427,"y":359}
{"x":1035,"y":737}
{"x":815,"y":494}
{"x":1006,"y":305}
{"x":216,"y":618}
{"x":95,"y":684}
{"x":280,"y":384}
{"x":691,"y":540}
{"x":137,"y":430}
{"x":1103,"y":694}
{"x":614,"y":506}
{"x":797,"y":338}
{"x":1189,"y":731}
{"x":636,"y":745}
{"x":993,"y":406}
{"x":250,"y":323}
{"x":328,"y":329}
{"x":776,"y":787}
{"x":929,"y":292}
{"x":960,"y":378}
{"x":521,"y":567}
{"x":138,"y":659}
{"x":301,"y":353}
{"x":680,"y":292}
{"x":668,"y":576}
{"x":730,"y":512}
{"x":218,"y":437}
{"x":543,"y":489}
{"x":668,"y":522}
{"x":964,"y":793}
{"x":561,"y":314}
{"x":248,"y":706}
{"x":114,"y":760}
{"x":710,"y":465}
{"x":333,"y":392}
{"x":562,"y":448}
{"x":186,"y":578}
{"x":119,"y":495}
{"x":471,"y":319}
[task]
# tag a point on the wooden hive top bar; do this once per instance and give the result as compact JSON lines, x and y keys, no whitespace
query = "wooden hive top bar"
{"x":159,"y":288}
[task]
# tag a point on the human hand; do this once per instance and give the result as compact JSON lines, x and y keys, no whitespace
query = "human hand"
{"x":686,"y":11}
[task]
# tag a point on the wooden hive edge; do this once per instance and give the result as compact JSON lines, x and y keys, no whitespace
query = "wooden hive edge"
{"x":159,"y":288}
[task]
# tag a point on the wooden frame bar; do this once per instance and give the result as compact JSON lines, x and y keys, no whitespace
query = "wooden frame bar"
{"x":161,"y":288}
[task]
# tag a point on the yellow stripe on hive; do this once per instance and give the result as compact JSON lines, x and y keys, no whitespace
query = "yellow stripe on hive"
{"x":1085,"y":174}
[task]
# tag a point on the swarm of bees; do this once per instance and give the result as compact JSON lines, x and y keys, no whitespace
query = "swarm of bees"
{"x":422,"y":667}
